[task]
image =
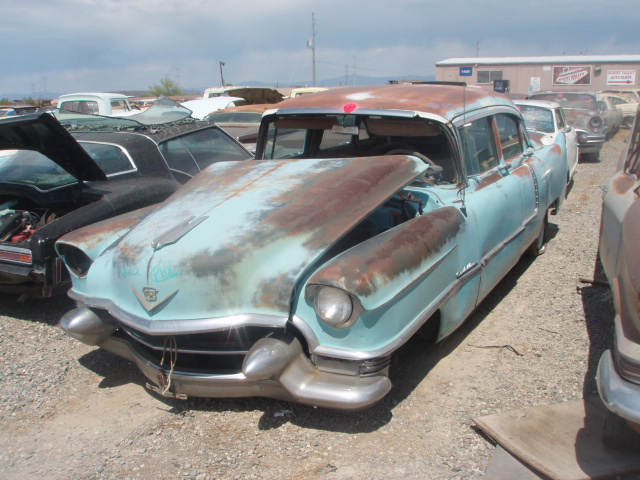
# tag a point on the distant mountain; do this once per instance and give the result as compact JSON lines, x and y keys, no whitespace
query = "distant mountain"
{"x":360,"y":80}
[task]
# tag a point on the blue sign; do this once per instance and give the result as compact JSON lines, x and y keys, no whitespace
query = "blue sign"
{"x":466,"y":71}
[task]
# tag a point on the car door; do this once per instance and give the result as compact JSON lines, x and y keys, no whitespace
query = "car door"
{"x":622,"y":194}
{"x":571,"y":141}
{"x":493,"y":202}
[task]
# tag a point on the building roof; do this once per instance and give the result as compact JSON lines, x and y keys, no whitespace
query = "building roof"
{"x":561,"y":59}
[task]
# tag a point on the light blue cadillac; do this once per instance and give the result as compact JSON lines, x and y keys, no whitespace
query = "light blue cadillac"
{"x":369,"y":214}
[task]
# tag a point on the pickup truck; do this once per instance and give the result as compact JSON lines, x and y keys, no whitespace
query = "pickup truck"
{"x":107,"y":104}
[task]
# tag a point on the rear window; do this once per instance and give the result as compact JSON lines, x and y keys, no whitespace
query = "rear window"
{"x":194,"y":151}
{"x":112,"y":159}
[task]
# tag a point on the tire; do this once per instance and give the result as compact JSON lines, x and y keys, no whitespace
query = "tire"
{"x":627,"y":122}
{"x":539,"y":245}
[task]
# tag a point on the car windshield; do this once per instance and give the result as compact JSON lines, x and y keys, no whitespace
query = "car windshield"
{"x":29,"y":167}
{"x":537,"y":119}
{"x":164,"y":110}
{"x":569,"y":100}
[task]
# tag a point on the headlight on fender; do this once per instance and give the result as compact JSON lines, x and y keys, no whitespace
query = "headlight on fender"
{"x":334,"y":306}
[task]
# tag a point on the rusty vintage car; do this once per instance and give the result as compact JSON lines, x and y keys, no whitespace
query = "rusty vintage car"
{"x":370,"y":214}
{"x":618,"y":375}
{"x":583,"y":113}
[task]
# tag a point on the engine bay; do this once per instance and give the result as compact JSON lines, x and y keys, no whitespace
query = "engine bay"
{"x":18,"y":223}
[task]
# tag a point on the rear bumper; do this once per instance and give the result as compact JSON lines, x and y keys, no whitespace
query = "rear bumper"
{"x":275,"y":367}
{"x":619,"y":395}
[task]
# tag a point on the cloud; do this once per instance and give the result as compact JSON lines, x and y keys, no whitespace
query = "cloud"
{"x":81,"y":45}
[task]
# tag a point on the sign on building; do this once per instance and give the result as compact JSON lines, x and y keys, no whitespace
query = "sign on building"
{"x":534,"y":85}
{"x":621,"y":77}
{"x":571,"y":75}
{"x":466,"y":71}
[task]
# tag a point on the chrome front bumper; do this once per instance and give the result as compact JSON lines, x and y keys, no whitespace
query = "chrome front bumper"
{"x":274,"y":367}
{"x":589,"y":142}
{"x":619,"y":395}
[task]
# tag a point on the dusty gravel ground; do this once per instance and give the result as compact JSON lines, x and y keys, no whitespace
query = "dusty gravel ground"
{"x":69,"y":411}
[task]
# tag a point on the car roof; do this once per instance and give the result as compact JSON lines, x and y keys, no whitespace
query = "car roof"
{"x":435,"y":100}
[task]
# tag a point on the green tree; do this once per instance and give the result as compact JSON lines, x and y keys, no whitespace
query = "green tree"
{"x":167,"y":87}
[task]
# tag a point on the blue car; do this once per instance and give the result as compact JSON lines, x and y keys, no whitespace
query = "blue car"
{"x":369,"y":214}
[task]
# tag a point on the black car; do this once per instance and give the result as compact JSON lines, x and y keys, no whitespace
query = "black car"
{"x":54,"y":180}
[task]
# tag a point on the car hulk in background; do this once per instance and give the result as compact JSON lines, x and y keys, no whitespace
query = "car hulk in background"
{"x":368,"y":215}
{"x":53,"y":181}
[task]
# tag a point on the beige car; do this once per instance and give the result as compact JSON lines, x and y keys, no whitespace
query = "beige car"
{"x":618,"y":375}
{"x":624,"y":104}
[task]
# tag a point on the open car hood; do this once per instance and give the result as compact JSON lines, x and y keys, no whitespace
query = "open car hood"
{"x":240,"y":236}
{"x":44,"y":134}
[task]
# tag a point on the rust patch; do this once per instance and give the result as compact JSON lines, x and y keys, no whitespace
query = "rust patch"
{"x":489,"y":179}
{"x":622,"y":183}
{"x":377,"y":262}
{"x":91,"y":236}
{"x":443,"y":100}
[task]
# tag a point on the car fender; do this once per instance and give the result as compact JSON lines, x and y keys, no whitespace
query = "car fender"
{"x":96,"y":238}
{"x":383,"y":267}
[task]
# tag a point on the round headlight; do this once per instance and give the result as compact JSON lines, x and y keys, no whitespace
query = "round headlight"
{"x":333,"y":305}
{"x":595,"y":123}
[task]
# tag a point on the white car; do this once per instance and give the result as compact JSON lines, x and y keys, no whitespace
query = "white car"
{"x":202,"y":107}
{"x":106,"y":104}
{"x":545,"y":121}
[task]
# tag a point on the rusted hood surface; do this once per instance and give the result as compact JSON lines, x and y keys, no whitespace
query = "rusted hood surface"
{"x":237,"y":239}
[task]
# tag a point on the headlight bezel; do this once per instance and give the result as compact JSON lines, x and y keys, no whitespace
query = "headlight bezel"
{"x":313,"y":296}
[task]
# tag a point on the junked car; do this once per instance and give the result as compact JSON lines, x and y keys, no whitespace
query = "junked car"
{"x":13,"y":110}
{"x":97,"y":103}
{"x":370,"y":214}
{"x":618,"y":375}
{"x":53,"y":181}
{"x":241,"y":122}
{"x":545,"y":121}
{"x":582,"y":113}
{"x":627,"y":108}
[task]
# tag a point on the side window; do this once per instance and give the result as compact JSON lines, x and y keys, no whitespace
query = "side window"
{"x":210,"y":145}
{"x":479,"y":147}
{"x":510,"y":138}
{"x":178,"y":157}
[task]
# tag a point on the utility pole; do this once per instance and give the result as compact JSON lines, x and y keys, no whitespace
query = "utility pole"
{"x":311,"y":43}
{"x":354,"y":70}
{"x":221,"y":75}
{"x":478,"y":48}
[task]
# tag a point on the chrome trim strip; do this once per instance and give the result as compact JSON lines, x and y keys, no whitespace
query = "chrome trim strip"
{"x":170,"y":327}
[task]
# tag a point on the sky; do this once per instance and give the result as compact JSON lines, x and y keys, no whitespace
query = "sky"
{"x":68,"y":46}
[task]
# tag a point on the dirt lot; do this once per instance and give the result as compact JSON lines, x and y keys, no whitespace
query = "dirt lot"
{"x":69,"y":411}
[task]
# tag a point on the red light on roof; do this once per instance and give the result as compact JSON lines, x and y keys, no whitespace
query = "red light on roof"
{"x":349,"y":107}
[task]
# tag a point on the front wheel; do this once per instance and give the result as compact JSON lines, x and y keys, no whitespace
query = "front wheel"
{"x":539,"y":245}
